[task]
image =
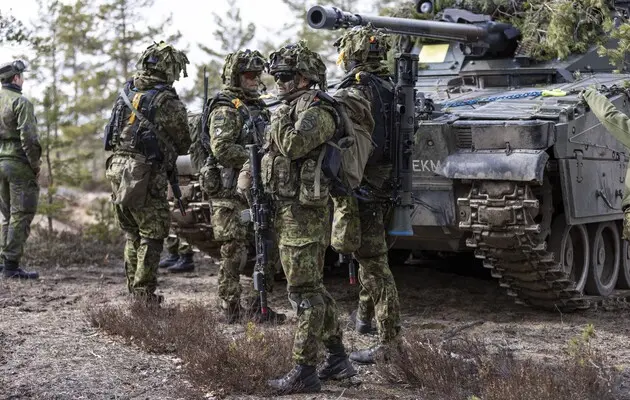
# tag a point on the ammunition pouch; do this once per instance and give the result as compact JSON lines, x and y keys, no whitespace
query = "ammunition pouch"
{"x":210,"y":179}
{"x":278,"y":176}
{"x":300,"y":303}
{"x":314,"y":185}
{"x":228,"y":178}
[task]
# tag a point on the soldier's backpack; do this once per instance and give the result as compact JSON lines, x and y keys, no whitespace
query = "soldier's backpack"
{"x":347,"y":153}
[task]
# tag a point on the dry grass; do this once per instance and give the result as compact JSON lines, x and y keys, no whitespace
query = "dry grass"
{"x":469,"y":369}
{"x":213,"y":359}
{"x":48,"y":249}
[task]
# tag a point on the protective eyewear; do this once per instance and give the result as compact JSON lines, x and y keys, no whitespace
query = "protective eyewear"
{"x":284,"y":76}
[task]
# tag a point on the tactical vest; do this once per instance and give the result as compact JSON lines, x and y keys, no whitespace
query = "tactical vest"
{"x":216,"y":177}
{"x":381,"y":94}
{"x":126,"y":132}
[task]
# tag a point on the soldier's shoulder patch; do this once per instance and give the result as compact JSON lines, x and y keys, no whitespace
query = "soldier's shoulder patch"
{"x":218,"y":120}
{"x":237,"y":102}
{"x":306,"y":122}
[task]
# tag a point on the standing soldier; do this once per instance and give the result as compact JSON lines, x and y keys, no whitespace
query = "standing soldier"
{"x":180,"y":256}
{"x":291,"y":173}
{"x":236,"y":117}
{"x":361,"y":53}
{"x":20,"y":154}
{"x":147,"y":130}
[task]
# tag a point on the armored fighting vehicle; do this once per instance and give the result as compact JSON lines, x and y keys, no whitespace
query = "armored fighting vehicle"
{"x":508,"y":164}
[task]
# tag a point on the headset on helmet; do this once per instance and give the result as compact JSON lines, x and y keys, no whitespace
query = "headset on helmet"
{"x":362,"y":44}
{"x":13,"y":68}
{"x":298,"y":58}
{"x":239,"y":62}
{"x":163,"y":58}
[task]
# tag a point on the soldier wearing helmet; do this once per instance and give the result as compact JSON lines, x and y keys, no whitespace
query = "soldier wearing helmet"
{"x":20,"y":154}
{"x":235,"y":117}
{"x":147,"y":130}
{"x":362,"y":52}
{"x":291,"y":172}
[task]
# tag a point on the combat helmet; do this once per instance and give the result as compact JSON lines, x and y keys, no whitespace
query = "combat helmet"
{"x":239,"y":62}
{"x":12,"y":68}
{"x":162,"y":58}
{"x":298,"y":58}
{"x":361,"y":45}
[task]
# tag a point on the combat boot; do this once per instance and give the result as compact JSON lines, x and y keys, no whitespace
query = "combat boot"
{"x":169,"y":261}
{"x":301,"y":379}
{"x":362,"y":327}
{"x":13,"y":270}
{"x":149,"y":299}
{"x":336,"y":366}
{"x":369,"y":355}
{"x":184,"y":264}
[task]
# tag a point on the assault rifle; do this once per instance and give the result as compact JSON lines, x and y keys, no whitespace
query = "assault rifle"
{"x":259,"y":215}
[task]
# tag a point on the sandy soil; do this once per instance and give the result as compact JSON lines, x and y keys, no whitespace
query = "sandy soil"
{"x":49,"y":351}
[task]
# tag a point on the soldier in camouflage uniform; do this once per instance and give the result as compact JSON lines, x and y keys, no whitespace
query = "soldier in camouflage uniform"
{"x":236,"y":116}
{"x":292,"y":174}
{"x":362,"y":51}
{"x":147,"y":130}
{"x":180,"y":256}
{"x":20,"y":154}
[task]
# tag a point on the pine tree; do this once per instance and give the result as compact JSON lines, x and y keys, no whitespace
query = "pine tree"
{"x":11,"y":29}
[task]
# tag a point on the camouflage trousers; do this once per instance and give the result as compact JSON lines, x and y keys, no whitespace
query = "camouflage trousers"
{"x":19,"y":194}
{"x":174,"y":245}
{"x":302,"y":233}
{"x":379,"y":295}
{"x":234,"y":235}
{"x":145,"y":228}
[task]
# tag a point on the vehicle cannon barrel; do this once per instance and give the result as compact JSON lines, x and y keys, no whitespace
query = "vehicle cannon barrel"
{"x":469,"y":28}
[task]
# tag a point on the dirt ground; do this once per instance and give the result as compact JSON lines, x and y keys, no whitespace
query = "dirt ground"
{"x":48,"y":350}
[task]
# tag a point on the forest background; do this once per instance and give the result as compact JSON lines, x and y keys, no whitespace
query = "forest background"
{"x":80,"y":52}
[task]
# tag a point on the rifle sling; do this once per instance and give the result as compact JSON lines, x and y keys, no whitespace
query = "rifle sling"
{"x":148,"y":123}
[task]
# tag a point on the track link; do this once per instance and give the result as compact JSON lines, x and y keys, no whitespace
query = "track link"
{"x":509,"y":226}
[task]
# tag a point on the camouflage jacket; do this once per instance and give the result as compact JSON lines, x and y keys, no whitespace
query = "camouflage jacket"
{"x":231,"y":127}
{"x":18,"y":128}
{"x":170,"y":118}
{"x":616,"y":122}
{"x":298,"y":131}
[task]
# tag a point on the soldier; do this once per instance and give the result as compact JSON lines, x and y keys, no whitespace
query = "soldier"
{"x":180,"y":256}
{"x":20,"y":154}
{"x":236,"y":116}
{"x":618,"y":124}
{"x":147,"y":130}
{"x":292,"y":174}
{"x":361,"y":54}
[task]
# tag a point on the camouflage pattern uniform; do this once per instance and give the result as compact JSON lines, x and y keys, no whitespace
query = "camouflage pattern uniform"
{"x":292,"y":175}
{"x":362,"y":51}
{"x":143,"y":156}
{"x":618,"y":124}
{"x":236,"y":116}
{"x":20,"y":154}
